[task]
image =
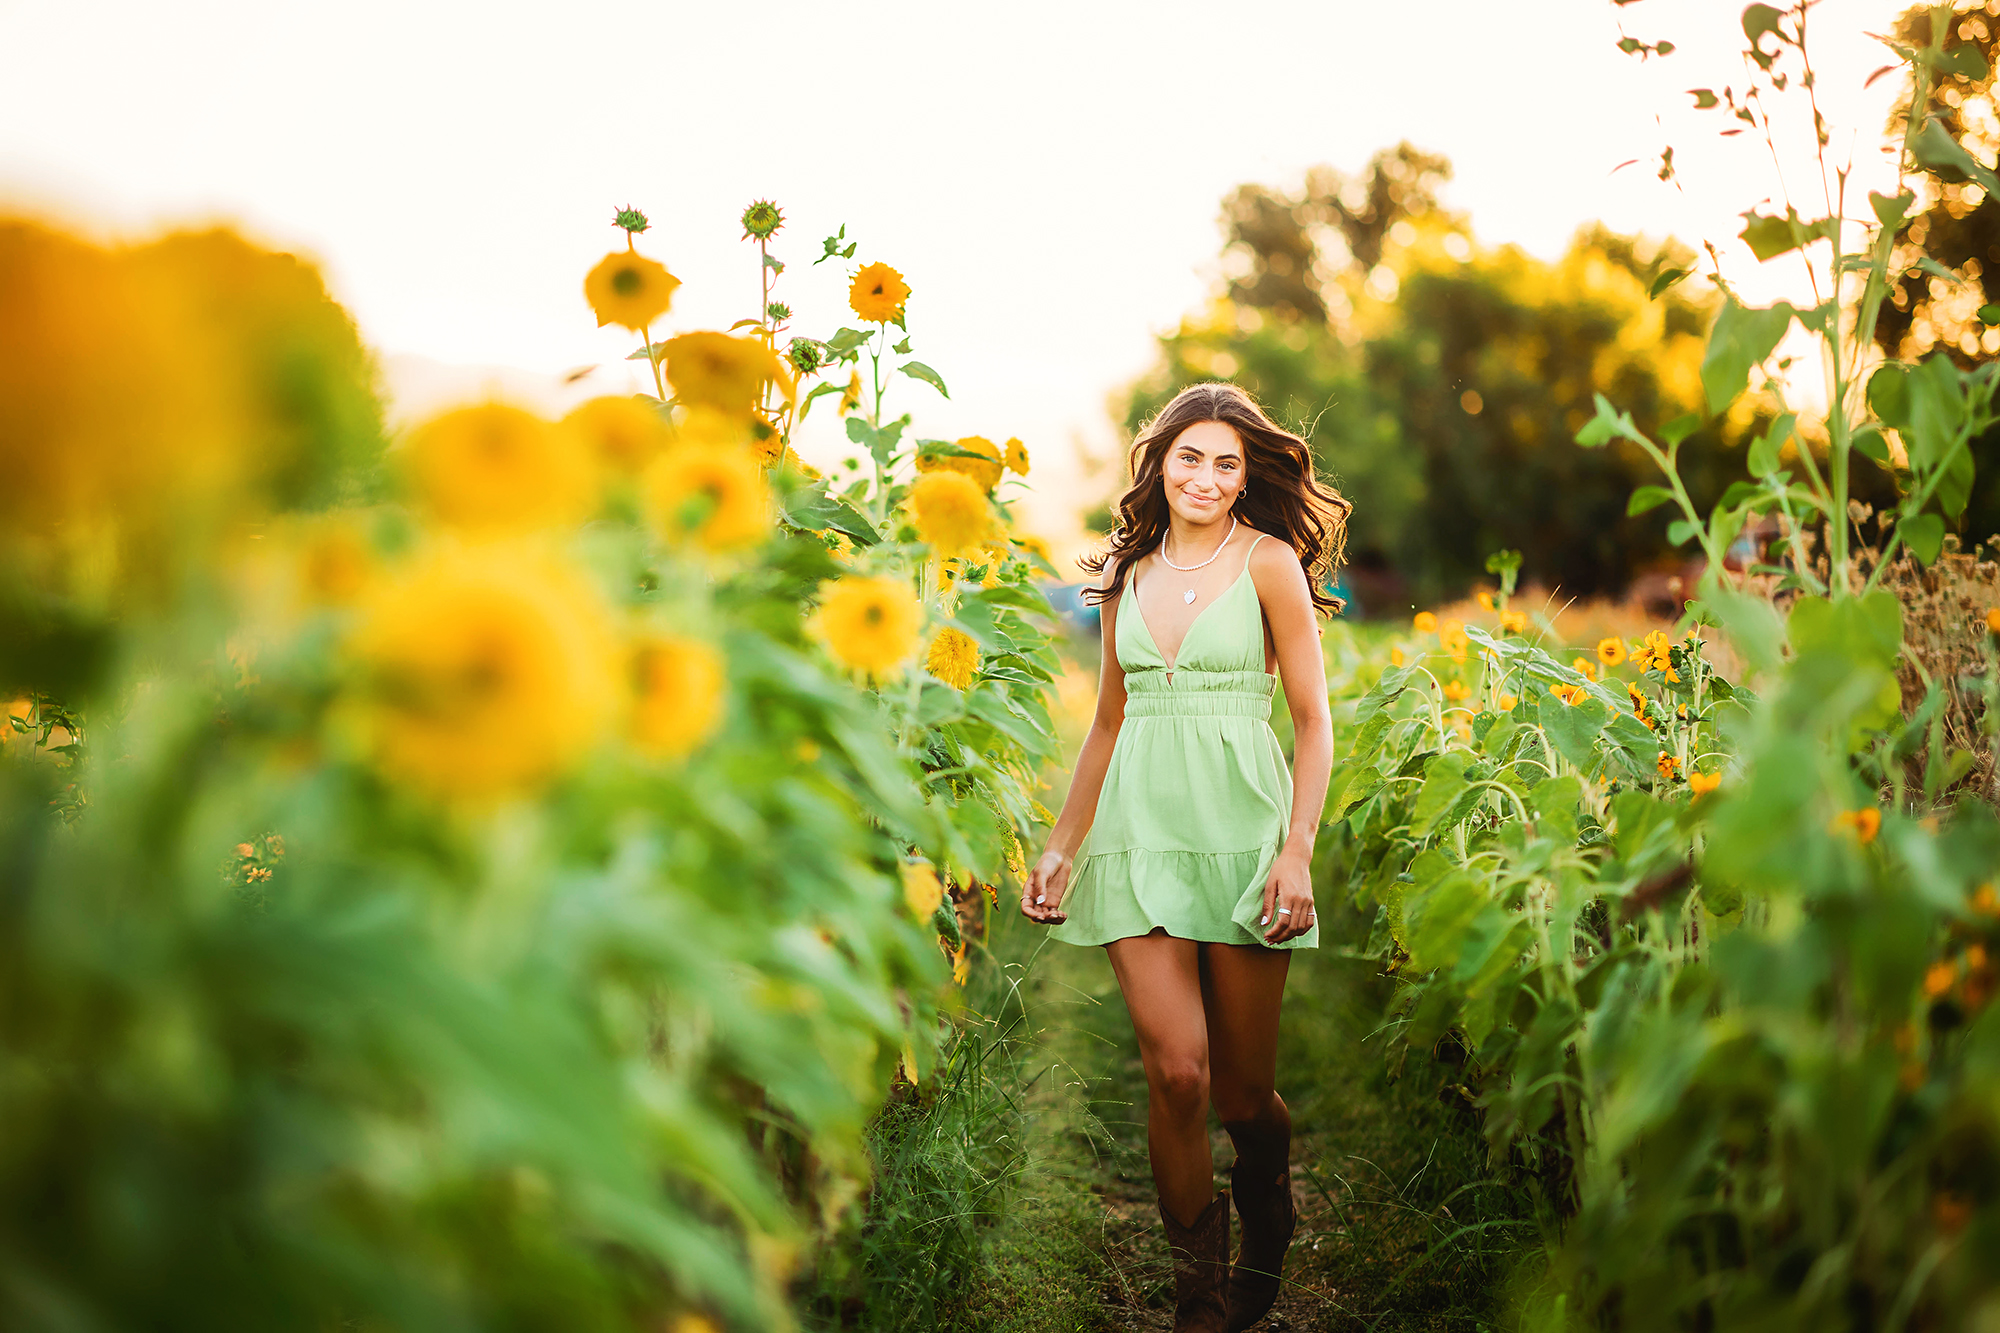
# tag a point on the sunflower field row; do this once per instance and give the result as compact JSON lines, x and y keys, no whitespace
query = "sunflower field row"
{"x":488,"y":879}
{"x":1715,"y":957}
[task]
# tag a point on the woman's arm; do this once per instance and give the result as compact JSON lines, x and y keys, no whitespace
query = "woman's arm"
{"x":1287,"y":601}
{"x":1042,"y":898}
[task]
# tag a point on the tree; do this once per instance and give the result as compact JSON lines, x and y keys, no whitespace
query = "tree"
{"x":1441,"y":383}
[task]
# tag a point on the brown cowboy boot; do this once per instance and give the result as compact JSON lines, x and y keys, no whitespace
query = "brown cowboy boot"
{"x":1261,"y":1179}
{"x":1201,"y":1267}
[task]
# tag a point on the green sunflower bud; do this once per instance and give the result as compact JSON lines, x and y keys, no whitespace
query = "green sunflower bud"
{"x":631,"y":219}
{"x":805,"y":355}
{"x":761,"y":220}
{"x":778,"y":311}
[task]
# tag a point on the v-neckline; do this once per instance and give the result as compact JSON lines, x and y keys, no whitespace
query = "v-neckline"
{"x":1188,"y":633}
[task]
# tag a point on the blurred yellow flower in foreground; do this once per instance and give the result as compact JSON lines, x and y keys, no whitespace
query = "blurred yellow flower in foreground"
{"x":498,"y":468}
{"x":1017,"y":458}
{"x":1703,"y":783}
{"x":1424,"y":622}
{"x":1035,"y":546}
{"x":629,"y":290}
{"x":922,"y":893}
{"x":953,"y":658}
{"x":622,"y":432}
{"x":335,"y":563}
{"x":677,"y":693}
{"x":985,"y":470}
{"x":1864,"y":823}
{"x":728,"y":374}
{"x":1513,"y":622}
{"x":878,"y":293}
{"x":952,"y":513}
{"x":482,"y":672}
{"x":718,"y":498}
{"x":870,"y":623}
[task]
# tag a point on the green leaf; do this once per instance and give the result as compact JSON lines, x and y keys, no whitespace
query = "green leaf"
{"x":1936,"y":149}
{"x":1607,"y":425}
{"x":1924,"y":535}
{"x":918,"y":370}
{"x":1869,"y":443}
{"x":1936,"y":410}
{"x":642,"y":354}
{"x":847,"y":340}
{"x":1646,"y":499}
{"x":1555,"y":801}
{"x":1937,"y":270}
{"x":1444,"y":783}
{"x":1681,"y":531}
{"x":1680,"y":428}
{"x":1703,"y":99}
{"x":1760,"y":21}
{"x":1989,"y":314}
{"x":1763,"y":459}
{"x":1743,"y":337}
{"x":1573,"y":728}
{"x":1891,"y":210}
{"x":1889,"y":394}
{"x":1667,"y":278}
{"x":1769,"y":237}
{"x":1437,"y":918}
{"x":1964,"y":60}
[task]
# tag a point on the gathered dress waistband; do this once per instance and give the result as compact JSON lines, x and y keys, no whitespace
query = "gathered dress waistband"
{"x":1199,"y":693}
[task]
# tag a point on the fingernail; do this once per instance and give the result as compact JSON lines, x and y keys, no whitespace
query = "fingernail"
{"x":1264,"y":920}
{"x":1042,"y":899}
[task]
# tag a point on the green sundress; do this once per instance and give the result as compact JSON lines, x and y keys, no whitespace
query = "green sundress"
{"x":1197,"y":798}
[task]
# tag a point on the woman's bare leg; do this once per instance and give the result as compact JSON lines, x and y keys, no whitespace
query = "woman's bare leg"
{"x":1161,"y":979}
{"x":1242,"y":986}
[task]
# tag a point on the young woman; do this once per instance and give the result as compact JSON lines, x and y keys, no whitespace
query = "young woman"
{"x":1184,"y":847}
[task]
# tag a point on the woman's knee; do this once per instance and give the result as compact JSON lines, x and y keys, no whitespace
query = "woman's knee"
{"x":1181,"y":1081}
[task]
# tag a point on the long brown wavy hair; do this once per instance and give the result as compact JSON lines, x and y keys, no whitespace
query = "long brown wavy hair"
{"x":1280,"y":496}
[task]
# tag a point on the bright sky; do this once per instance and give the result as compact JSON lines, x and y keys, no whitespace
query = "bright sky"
{"x":1045,"y":175}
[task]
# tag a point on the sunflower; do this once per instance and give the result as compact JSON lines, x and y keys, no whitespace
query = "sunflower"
{"x":1993,"y":620}
{"x":629,"y":290}
{"x":624,"y":433}
{"x":495,"y":467}
{"x":1569,"y":694}
{"x":1424,"y":622}
{"x":677,"y":693}
{"x":1506,"y":703}
{"x":717,"y":497}
{"x":986,"y":469}
{"x":1017,"y":457}
{"x":481,"y":676}
{"x":1513,"y":622}
{"x":1864,"y":823}
{"x":952,"y":513}
{"x":878,"y":293}
{"x":953,"y":658}
{"x":850,"y":397}
{"x":761,"y":220}
{"x":1452,"y":638}
{"x":1703,"y":783}
{"x":1455,"y":690}
{"x":1667,"y":765}
{"x":1611,"y":651}
{"x":1584,"y":667}
{"x":922,"y":893}
{"x":870,"y":623}
{"x":718,"y":371}
{"x":335,"y":563}
{"x":1035,"y":547}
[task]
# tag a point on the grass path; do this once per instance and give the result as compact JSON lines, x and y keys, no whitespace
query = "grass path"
{"x":1402,"y":1223}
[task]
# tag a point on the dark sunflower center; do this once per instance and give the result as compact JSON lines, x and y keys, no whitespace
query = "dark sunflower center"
{"x":873,"y":615}
{"x":627,"y":282}
{"x":878,"y":290}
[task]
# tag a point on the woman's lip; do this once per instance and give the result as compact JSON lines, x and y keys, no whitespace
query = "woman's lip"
{"x":1197,"y":499}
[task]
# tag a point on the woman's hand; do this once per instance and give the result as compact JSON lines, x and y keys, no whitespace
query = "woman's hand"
{"x":1041,"y":900}
{"x":1288,"y":899}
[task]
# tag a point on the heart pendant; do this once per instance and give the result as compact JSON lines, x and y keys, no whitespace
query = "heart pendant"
{"x":1188,"y":596}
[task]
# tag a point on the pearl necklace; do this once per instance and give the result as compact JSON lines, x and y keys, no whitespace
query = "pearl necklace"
{"x":1188,"y":596}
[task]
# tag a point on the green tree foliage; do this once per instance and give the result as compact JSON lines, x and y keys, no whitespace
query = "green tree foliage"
{"x":1441,"y":381}
{"x":1953,"y":304}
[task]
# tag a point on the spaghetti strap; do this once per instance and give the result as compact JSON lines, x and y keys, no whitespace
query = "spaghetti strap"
{"x":1253,"y":548}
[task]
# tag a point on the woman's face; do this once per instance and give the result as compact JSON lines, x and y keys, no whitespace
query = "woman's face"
{"x":1203,"y":473}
